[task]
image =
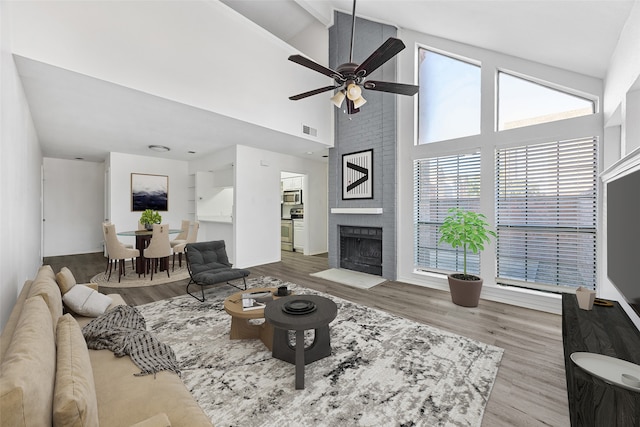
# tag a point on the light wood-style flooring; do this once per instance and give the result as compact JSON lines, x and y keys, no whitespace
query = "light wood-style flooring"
{"x":530,"y":389}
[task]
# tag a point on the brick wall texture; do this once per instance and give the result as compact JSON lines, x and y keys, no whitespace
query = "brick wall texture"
{"x":374,"y":127}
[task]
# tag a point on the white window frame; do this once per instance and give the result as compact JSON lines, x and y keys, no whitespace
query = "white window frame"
{"x":433,"y":185}
{"x":547,"y":214}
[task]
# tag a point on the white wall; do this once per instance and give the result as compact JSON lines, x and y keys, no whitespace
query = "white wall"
{"x":631,"y":137}
{"x":206,"y":168}
{"x":194,"y":52}
{"x":624,"y":67}
{"x":620,"y":94}
{"x":121,"y":166}
{"x":73,"y":206}
{"x":313,"y":42}
{"x":20,"y":178}
{"x":256,"y":216}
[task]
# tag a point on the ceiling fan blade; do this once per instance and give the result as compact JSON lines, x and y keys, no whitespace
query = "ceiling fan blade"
{"x":388,"y":50}
{"x":399,"y":88}
{"x":311,"y":93}
{"x":306,"y":62}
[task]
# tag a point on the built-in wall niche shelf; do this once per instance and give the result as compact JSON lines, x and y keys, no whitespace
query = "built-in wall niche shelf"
{"x":191,"y":196}
{"x":357,"y":211}
{"x":221,"y":219}
{"x":216,"y":205}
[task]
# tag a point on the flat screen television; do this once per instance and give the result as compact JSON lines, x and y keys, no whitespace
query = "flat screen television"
{"x":623,"y":236}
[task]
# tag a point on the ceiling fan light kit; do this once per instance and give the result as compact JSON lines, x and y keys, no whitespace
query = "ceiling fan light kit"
{"x":338,"y":98}
{"x":350,"y":77}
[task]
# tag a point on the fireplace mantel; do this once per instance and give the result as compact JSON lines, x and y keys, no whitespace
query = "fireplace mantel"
{"x":358,"y":211}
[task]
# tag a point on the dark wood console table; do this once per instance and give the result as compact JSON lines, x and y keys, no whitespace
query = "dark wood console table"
{"x":608,"y":331}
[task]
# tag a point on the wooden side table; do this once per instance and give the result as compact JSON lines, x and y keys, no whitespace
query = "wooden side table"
{"x":241,"y":328}
{"x":283,"y":322}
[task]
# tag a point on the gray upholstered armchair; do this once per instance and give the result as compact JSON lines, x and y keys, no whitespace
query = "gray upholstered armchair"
{"x":208,"y":264}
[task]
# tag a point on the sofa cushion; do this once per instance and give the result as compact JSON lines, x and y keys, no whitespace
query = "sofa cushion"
{"x":29,"y":369}
{"x":12,"y":321}
{"x":158,"y":420}
{"x":74,"y":401}
{"x":220,"y":275}
{"x":86,"y":301}
{"x":45,"y":285}
{"x":65,"y":280}
{"x":125,"y":399}
{"x":205,"y":256}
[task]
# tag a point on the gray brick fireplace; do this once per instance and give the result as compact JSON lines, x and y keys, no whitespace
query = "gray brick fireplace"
{"x":373,"y":128}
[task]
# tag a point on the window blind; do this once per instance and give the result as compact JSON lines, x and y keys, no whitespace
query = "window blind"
{"x":442,"y":183}
{"x":546,"y":213}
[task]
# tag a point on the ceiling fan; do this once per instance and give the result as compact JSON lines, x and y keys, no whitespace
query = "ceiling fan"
{"x":350,"y":77}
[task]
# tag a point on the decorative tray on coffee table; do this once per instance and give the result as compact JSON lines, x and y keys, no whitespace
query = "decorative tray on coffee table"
{"x":299,"y":306}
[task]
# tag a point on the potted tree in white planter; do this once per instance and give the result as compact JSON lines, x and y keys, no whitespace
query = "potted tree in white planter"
{"x":469,"y":230}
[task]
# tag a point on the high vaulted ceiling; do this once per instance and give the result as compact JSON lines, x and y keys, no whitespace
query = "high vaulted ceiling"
{"x":577,"y":35}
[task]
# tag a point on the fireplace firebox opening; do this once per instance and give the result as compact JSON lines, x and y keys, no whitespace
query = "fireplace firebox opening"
{"x":361,"y":249}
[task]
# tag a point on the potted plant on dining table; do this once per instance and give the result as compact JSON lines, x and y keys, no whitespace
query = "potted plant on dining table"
{"x":150,"y":217}
{"x":469,"y":230}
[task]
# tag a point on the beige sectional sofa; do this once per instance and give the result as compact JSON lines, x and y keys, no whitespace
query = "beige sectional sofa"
{"x":49,"y":377}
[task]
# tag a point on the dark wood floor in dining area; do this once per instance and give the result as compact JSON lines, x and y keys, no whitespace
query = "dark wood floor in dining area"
{"x":530,"y":389}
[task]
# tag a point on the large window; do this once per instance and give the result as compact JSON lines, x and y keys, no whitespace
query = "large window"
{"x":449,"y":98}
{"x":442,"y":183}
{"x":546,"y":205}
{"x":524,"y":103}
{"x":538,"y":183}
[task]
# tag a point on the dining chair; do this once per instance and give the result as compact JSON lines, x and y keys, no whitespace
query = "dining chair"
{"x":184,"y":234}
{"x":116,"y":250}
{"x":159,"y":248}
{"x":179,"y":249}
{"x":126,"y":245}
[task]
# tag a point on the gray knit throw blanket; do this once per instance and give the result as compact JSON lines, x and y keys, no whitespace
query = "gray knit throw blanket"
{"x":124,"y":331}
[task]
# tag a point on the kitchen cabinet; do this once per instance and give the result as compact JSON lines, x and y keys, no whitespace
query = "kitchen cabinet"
{"x":299,"y":238}
{"x":294,"y":183}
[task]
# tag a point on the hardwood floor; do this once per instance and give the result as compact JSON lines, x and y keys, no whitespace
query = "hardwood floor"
{"x":530,"y":389}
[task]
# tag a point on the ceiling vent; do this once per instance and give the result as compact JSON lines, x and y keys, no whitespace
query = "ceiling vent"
{"x":308,"y":130}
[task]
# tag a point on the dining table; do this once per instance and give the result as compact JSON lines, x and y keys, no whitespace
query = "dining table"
{"x":143,"y":237}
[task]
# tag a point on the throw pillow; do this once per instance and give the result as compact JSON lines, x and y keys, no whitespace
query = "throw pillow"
{"x":65,"y":280}
{"x":85,"y":301}
{"x":45,"y":285}
{"x":29,"y":369}
{"x":75,"y":402}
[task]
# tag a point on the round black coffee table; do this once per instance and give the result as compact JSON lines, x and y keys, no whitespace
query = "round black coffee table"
{"x":325,"y":311}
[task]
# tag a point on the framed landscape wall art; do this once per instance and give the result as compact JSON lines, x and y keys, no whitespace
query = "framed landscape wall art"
{"x":149,"y":192}
{"x":357,"y":175}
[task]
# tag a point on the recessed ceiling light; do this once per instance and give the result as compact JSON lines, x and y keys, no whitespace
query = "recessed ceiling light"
{"x":159,"y":148}
{"x":309,"y":152}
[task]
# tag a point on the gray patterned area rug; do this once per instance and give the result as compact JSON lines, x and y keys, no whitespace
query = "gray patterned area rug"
{"x":384,"y":370}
